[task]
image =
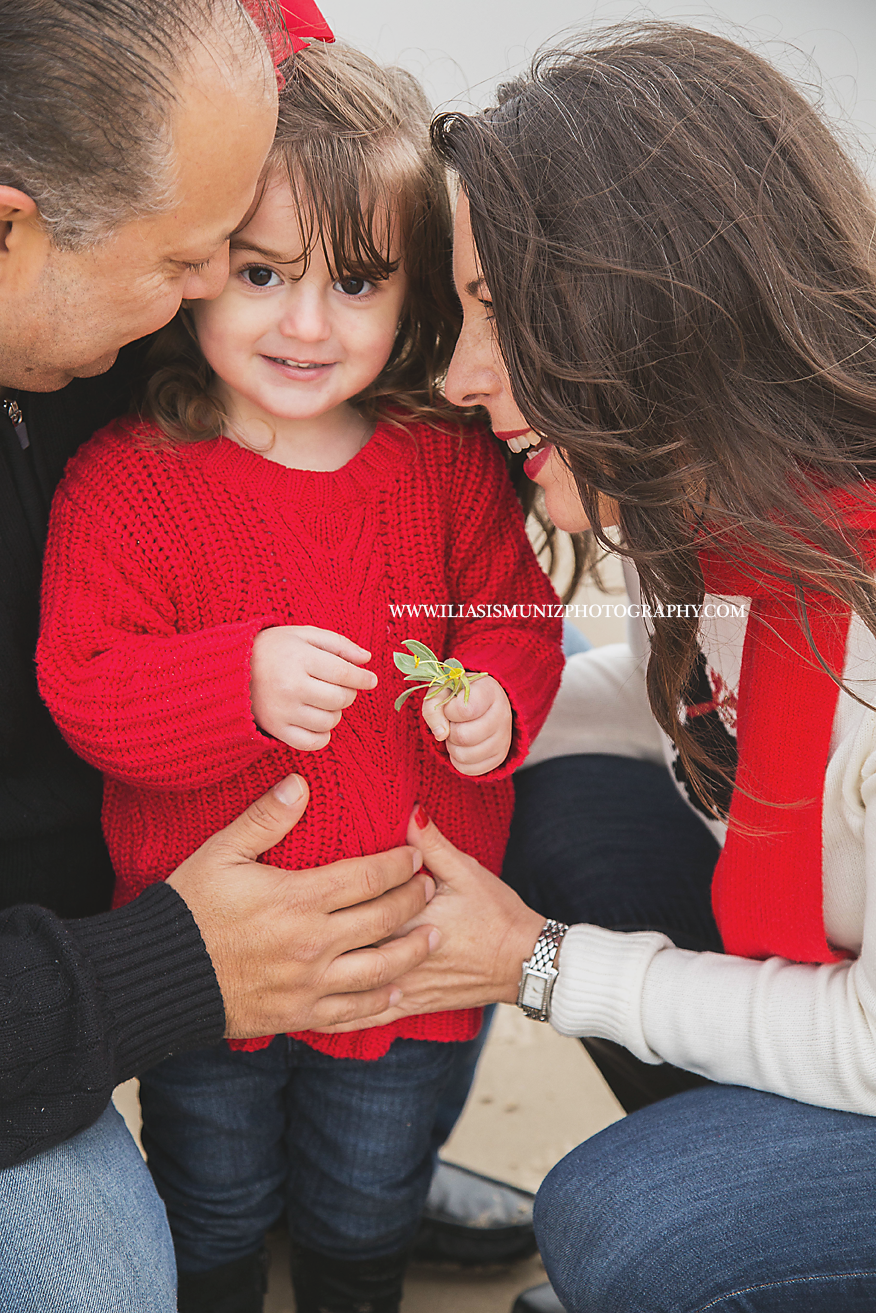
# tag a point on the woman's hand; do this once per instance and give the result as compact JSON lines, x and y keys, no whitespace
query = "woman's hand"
{"x":302,"y":681}
{"x":487,"y":933}
{"x":478,"y":731}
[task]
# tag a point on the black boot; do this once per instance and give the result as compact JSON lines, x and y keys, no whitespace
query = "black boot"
{"x":474,"y":1221}
{"x":237,"y":1287}
{"x":538,"y":1299}
{"x":336,"y":1285}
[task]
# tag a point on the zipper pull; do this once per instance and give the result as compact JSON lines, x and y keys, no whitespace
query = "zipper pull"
{"x":16,"y":419}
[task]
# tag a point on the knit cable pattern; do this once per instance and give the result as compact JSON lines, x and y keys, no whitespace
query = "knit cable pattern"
{"x":164,"y":562}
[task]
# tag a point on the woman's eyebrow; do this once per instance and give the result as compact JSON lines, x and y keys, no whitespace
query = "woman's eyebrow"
{"x":476,"y":287}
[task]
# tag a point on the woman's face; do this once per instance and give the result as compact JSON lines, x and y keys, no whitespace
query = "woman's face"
{"x":478,"y":377}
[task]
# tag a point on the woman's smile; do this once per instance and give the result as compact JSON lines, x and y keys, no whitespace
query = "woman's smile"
{"x":537,"y":461}
{"x":478,"y":377}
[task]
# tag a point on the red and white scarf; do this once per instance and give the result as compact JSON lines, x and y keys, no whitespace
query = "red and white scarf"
{"x":767,"y":887}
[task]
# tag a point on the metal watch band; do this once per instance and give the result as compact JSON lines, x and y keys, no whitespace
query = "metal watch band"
{"x":539,"y":973}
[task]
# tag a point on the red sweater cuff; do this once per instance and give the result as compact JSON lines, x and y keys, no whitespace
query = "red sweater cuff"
{"x":164,"y":712}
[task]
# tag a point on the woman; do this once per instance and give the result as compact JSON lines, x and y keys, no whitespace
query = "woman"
{"x":665,"y":265}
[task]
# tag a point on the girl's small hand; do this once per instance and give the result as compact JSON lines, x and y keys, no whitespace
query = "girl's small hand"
{"x":302,"y":680}
{"x":477,"y":732}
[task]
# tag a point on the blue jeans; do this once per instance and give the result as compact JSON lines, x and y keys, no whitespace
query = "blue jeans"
{"x":83,"y":1231}
{"x":721,"y":1199}
{"x":718,"y":1198}
{"x":345,"y":1146}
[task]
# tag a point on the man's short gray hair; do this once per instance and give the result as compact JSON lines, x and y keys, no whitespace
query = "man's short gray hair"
{"x":87,"y":89}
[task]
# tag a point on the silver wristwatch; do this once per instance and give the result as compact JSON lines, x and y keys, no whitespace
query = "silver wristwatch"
{"x":540,"y":974}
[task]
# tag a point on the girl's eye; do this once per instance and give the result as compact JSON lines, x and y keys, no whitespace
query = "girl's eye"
{"x":258,"y":275}
{"x":353,"y":286}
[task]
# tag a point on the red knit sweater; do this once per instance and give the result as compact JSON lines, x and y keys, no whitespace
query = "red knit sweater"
{"x":163,"y":562}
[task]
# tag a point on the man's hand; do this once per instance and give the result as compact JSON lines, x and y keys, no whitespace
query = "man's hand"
{"x":289,"y":947}
{"x":477,"y":732}
{"x":302,"y":680}
{"x":486,"y":934}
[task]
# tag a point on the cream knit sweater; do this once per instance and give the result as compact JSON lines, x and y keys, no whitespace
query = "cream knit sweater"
{"x":807,"y":1032}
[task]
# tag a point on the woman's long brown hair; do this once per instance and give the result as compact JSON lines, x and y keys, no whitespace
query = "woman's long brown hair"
{"x":680,"y":259}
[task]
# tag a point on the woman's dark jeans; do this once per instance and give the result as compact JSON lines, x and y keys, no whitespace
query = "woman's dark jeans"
{"x":609,"y":841}
{"x":717,"y":1198}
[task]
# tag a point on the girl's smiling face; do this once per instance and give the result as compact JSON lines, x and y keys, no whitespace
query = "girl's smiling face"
{"x":478,"y":377}
{"x":289,"y":343}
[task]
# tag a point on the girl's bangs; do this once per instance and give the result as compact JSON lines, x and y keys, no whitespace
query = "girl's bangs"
{"x":354,"y":214}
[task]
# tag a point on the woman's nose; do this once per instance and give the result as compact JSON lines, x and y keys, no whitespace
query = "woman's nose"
{"x":469,"y":382}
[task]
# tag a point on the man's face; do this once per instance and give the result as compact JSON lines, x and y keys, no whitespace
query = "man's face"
{"x":66,"y":314}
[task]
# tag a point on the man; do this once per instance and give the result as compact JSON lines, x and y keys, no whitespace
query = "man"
{"x":132,"y":143}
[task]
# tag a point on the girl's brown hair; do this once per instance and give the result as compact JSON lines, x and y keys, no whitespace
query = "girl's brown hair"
{"x":353,"y":140}
{"x":680,"y":258}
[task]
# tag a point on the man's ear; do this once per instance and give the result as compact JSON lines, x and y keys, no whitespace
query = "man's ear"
{"x":15,"y":207}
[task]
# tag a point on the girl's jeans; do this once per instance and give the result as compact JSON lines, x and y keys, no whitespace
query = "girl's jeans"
{"x":345,"y":1146}
{"x":719,"y":1198}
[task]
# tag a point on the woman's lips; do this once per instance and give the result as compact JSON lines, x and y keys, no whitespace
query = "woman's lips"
{"x":537,"y":462}
{"x":507,"y":434}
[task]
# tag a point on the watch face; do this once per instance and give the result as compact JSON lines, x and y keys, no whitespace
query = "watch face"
{"x":533,"y":992}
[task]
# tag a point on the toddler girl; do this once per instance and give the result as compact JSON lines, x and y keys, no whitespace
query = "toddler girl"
{"x":225,"y":584}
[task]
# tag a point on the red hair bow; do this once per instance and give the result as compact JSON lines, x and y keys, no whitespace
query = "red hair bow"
{"x":304,"y":23}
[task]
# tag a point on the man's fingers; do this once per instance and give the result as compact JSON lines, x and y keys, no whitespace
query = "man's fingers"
{"x":364,"y":978}
{"x":371,"y":968}
{"x":433,"y":714}
{"x":265,"y":821}
{"x":339,"y":1013}
{"x":354,"y":880}
{"x":373,"y":922}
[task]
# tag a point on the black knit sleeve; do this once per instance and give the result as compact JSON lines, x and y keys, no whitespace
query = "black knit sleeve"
{"x":87,"y":1004}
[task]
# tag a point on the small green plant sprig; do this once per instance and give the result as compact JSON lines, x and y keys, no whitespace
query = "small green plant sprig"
{"x":420,"y":663}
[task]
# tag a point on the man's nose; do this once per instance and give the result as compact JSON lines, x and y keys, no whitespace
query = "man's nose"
{"x":205,"y":284}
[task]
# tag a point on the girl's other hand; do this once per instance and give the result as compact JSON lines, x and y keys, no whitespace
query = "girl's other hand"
{"x":477,"y":732}
{"x":302,"y":680}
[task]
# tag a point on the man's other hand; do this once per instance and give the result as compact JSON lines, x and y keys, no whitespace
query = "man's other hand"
{"x":301,"y":950}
